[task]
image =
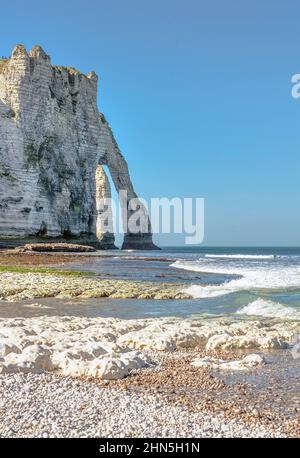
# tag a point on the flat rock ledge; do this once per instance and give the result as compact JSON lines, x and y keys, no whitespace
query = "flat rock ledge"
{"x":55,"y":247}
{"x":15,"y":287}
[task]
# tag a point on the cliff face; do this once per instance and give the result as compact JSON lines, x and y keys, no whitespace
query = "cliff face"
{"x":52,"y":139}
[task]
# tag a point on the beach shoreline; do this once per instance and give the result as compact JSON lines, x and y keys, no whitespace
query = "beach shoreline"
{"x":144,"y":367}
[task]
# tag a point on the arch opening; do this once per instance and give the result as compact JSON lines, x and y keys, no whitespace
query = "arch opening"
{"x":105,"y":227}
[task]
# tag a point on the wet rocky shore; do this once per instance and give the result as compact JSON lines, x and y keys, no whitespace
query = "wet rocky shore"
{"x":155,"y":377}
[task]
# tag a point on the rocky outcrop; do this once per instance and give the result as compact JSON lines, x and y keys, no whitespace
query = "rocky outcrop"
{"x":52,"y":139}
{"x":104,"y":229}
{"x":55,"y":248}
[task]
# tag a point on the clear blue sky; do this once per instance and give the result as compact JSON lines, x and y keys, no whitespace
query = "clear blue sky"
{"x":198,"y":93}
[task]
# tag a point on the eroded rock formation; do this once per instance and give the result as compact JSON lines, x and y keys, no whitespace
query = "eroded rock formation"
{"x":52,"y":138}
{"x":104,"y":228}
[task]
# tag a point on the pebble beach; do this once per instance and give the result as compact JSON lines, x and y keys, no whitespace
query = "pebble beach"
{"x":50,"y":406}
{"x":102,"y":376}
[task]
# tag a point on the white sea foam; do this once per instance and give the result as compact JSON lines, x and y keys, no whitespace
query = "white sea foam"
{"x":267,"y":308}
{"x":249,"y":276}
{"x":201,"y":292}
{"x":240,"y":256}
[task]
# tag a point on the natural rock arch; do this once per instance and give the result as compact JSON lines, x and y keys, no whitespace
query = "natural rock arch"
{"x":52,"y":138}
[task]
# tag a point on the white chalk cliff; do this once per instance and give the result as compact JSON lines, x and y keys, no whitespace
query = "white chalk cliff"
{"x":104,"y":227}
{"x":52,"y":139}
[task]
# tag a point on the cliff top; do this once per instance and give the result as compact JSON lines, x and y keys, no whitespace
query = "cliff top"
{"x":71,"y":70}
{"x":37,"y":53}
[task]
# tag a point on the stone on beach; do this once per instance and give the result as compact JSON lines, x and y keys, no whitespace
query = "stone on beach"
{"x":112,"y":366}
{"x":165,"y":335}
{"x":33,"y":358}
{"x":248,"y":362}
{"x":6,"y":348}
{"x":110,"y":348}
{"x":250,"y":340}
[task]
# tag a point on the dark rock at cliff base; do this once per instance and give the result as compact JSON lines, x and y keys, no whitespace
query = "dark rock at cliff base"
{"x":139,"y":242}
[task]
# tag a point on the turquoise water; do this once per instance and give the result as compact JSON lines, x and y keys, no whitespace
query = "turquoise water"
{"x":239,"y":281}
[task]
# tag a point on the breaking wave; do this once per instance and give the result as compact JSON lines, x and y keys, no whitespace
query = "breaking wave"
{"x":240,"y":256}
{"x":242,"y":276}
{"x":267,"y":308}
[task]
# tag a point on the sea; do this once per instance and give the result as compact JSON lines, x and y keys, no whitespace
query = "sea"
{"x":240,"y":282}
